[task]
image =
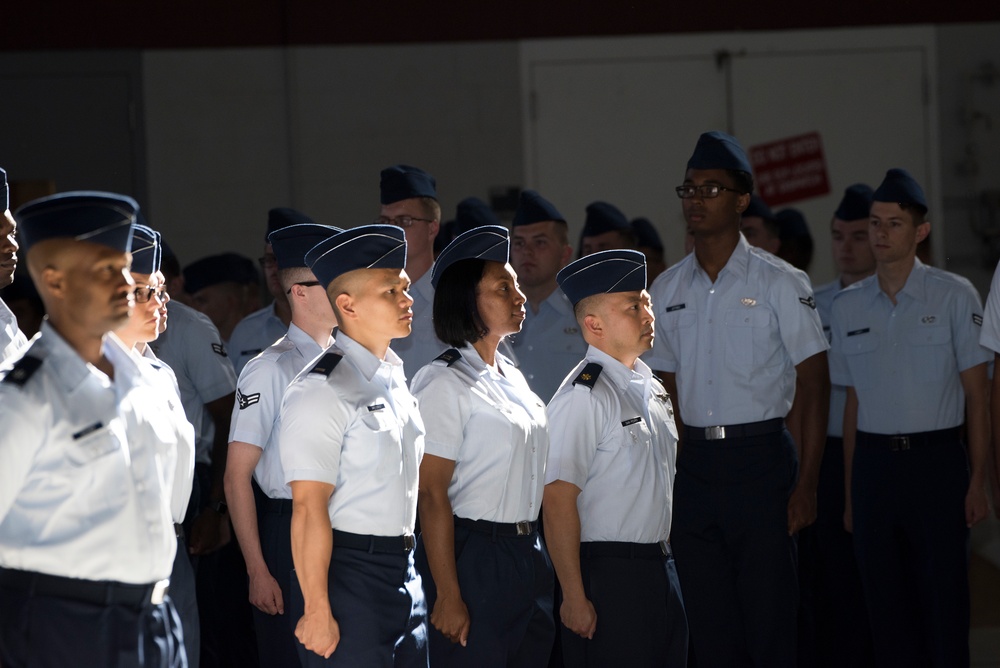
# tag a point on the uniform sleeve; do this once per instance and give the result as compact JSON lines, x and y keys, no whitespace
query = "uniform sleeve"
{"x":311,"y":437}
{"x":577,"y":425}
{"x":209,"y":366}
{"x":798,"y":322}
{"x":661,"y":357}
{"x":444,"y":408}
{"x":990,"y":335}
{"x":20,"y":440}
{"x":839,"y":372}
{"x":258,"y":399}
{"x":966,"y":328}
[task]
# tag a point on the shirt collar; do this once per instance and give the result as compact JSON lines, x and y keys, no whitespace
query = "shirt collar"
{"x":305,"y":343}
{"x":369,"y":365}
{"x":737,"y":264}
{"x":915,"y":285}
{"x":72,"y":370}
{"x":559,"y":302}
{"x":619,"y":374}
{"x":423,"y":287}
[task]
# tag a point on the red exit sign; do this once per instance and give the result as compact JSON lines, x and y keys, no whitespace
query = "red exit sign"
{"x":790,"y":169}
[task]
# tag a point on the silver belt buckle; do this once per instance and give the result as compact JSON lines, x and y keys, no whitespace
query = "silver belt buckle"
{"x":159,"y":591}
{"x":715,"y":433}
{"x":897,"y":443}
{"x":409,"y":541}
{"x":524,"y":528}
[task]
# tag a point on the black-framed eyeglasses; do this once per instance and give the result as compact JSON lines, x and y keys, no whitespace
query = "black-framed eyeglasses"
{"x":401,"y":221}
{"x":267,"y":261}
{"x":145,"y":293}
{"x":703,"y":192}
{"x":305,"y":284}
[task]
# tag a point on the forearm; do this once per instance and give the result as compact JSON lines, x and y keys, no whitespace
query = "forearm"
{"x":243,"y":513}
{"x":850,"y":438}
{"x":813,"y":381}
{"x":978,"y":433}
{"x":437,"y":526}
{"x":312,"y":545}
{"x":562,"y":537}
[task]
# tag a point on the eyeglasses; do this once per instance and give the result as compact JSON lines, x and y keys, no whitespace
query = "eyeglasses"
{"x":305,"y":284}
{"x":145,"y":293}
{"x":703,"y":192}
{"x":267,"y":261}
{"x":401,"y":221}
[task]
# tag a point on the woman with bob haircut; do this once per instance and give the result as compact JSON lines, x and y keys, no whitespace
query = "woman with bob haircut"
{"x":487,"y":575}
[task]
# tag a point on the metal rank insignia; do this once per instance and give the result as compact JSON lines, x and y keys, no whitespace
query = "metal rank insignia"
{"x":748,"y":301}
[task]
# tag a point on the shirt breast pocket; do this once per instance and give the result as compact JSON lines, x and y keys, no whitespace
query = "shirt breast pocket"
{"x":681,"y":331}
{"x":934,"y":358}
{"x":382,"y":440}
{"x":91,"y":444}
{"x":860,"y":352}
{"x":747,"y":335}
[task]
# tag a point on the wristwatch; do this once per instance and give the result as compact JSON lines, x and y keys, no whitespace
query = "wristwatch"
{"x":219,"y":507}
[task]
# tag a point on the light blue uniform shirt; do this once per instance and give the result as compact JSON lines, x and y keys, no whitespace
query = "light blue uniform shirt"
{"x":734,"y":344}
{"x":256,"y":417}
{"x":618,"y":444}
{"x":254,"y":334}
{"x":358,"y":428}
{"x":422,"y":345}
{"x":838,"y":393}
{"x":549,"y":344}
{"x":86,"y":466}
{"x":490,"y":423}
{"x":990,"y":336}
{"x":192,"y":348}
{"x":904,"y":361}
{"x":11,"y":338}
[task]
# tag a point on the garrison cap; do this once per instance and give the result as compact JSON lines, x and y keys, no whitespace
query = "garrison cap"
{"x":603,"y":272}
{"x":533,"y":208}
{"x":146,"y":252}
{"x":291,"y":243}
{"x":856,"y":203}
{"x":899,"y":186}
{"x":216,"y":269}
{"x":82,"y":215}
{"x":401,"y":182}
{"x":758,"y":209}
{"x":473,"y":212}
{"x":363,"y":247}
{"x":603,"y":217}
{"x":482,"y":243}
{"x":282,"y":216}
{"x":792,"y":224}
{"x":646,"y":235}
{"x":4,"y":190}
{"x":717,"y":150}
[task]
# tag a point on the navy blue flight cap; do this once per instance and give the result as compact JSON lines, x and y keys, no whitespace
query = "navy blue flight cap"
{"x":856,"y":203}
{"x":717,"y":150}
{"x":473,"y":212}
{"x":646,"y":235}
{"x":401,"y":182}
{"x":899,"y":186}
{"x":758,"y":209}
{"x":291,"y":243}
{"x":216,"y":269}
{"x":282,"y":216}
{"x":533,"y":208}
{"x":792,"y":224}
{"x":603,"y":217}
{"x":491,"y":242}
{"x":603,"y":272}
{"x":6,"y":190}
{"x":362,"y":247}
{"x":82,"y":215}
{"x":145,"y":249}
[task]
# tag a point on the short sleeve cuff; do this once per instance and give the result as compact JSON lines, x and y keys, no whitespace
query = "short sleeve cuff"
{"x":312,"y":475}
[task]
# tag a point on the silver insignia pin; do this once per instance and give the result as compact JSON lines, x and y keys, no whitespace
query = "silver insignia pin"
{"x":748,"y":301}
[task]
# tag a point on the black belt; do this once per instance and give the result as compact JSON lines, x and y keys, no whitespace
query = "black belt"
{"x":97,"y":592}
{"x":597,"y":549}
{"x":516,"y":529}
{"x":277,"y":506}
{"x":731,"y":431}
{"x":898,"y":442}
{"x":374,"y":544}
{"x":179,"y":531}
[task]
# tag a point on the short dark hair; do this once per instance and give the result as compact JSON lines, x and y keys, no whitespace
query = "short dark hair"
{"x":742,"y":181}
{"x":456,"y":316}
{"x":917,"y":212}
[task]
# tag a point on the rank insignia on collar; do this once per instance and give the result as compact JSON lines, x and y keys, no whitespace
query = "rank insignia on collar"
{"x":247,"y":400}
{"x":748,"y":301}
{"x":809,"y":301}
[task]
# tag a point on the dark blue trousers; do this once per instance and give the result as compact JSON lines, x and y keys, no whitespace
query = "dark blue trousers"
{"x":735,"y":559}
{"x":912,"y":546}
{"x":640,"y":614}
{"x":378,"y":602}
{"x":182,"y":592}
{"x":43,"y":631}
{"x":507,"y":584}
{"x":277,"y":646}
